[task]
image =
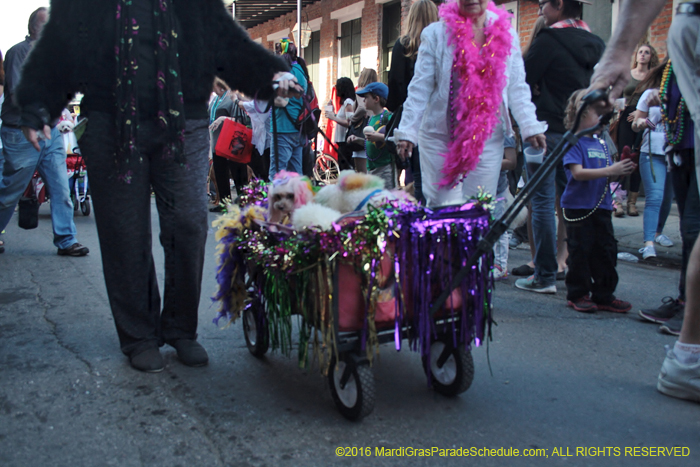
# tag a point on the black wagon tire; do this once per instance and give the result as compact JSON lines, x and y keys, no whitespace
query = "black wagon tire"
{"x":85,"y":207}
{"x":352,"y":387}
{"x":451,"y":368}
{"x":257,"y":337}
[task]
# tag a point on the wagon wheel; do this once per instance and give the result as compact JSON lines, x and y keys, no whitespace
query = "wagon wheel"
{"x":85,"y":207}
{"x":452,"y":369}
{"x":257,"y":337}
{"x":326,"y":169}
{"x":352,"y":387}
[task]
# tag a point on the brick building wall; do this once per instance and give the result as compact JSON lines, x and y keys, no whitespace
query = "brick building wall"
{"x":528,"y":12}
{"x":329,"y":32}
{"x":659,"y":29}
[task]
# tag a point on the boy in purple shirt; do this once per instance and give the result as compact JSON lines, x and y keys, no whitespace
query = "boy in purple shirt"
{"x":587,"y":206}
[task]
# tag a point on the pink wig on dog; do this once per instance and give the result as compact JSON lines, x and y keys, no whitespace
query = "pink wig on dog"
{"x":288,"y":191}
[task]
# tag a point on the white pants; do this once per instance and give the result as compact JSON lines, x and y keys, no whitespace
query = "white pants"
{"x":485,"y":175}
{"x":500,"y":249}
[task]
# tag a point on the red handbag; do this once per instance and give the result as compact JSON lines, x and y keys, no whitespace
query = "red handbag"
{"x":235,"y":142}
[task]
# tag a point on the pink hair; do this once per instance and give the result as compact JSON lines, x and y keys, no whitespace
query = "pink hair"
{"x":301,"y":187}
{"x":302,"y":192}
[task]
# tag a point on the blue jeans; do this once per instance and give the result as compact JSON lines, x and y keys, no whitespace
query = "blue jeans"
{"x":658,"y":194}
{"x":290,"y":154}
{"x":544,"y":226}
{"x":21,"y":161}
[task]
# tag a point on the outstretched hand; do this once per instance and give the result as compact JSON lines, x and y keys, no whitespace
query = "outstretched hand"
{"x":624,"y":167}
{"x":34,"y":136}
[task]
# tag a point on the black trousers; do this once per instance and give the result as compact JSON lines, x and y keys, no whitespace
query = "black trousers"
{"x":685,"y":187}
{"x":224,"y":171}
{"x":260,"y":163}
{"x":592,"y":256}
{"x":123,"y":219}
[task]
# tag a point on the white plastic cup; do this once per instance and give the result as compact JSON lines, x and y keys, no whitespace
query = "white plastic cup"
{"x":368,"y":130}
{"x":533,"y":158}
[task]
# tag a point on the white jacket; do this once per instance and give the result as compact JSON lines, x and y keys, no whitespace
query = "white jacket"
{"x":426,"y":109}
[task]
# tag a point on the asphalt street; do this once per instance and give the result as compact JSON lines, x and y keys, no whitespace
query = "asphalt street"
{"x":580,"y":388}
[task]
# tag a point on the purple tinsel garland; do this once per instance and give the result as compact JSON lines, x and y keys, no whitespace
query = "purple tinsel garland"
{"x":430,"y":246}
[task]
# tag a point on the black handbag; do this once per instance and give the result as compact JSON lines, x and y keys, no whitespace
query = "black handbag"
{"x":28,"y":217}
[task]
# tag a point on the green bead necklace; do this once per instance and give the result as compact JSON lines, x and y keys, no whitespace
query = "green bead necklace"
{"x":674,"y":128}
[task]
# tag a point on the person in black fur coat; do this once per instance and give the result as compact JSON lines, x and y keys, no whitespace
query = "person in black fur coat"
{"x":145,"y":68}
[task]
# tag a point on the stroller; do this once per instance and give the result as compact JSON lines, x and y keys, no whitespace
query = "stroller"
{"x":77,"y":170}
{"x":78,"y":182}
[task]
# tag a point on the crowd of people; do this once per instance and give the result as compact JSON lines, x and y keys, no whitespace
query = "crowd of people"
{"x":462,"y":100}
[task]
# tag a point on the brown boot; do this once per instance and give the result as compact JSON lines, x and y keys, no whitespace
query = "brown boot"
{"x":618,"y":211}
{"x":632,"y":204}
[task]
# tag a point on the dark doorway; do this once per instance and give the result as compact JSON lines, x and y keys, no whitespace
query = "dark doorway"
{"x":312,"y":55}
{"x":350,"y":49}
{"x":391,"y":30}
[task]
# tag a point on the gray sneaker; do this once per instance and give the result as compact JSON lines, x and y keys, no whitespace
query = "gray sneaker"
{"x":648,"y":252}
{"x":514,"y":242}
{"x":669,"y":308}
{"x":678,"y":379}
{"x":533,"y":285}
{"x":673,"y":326}
{"x":663,"y":240}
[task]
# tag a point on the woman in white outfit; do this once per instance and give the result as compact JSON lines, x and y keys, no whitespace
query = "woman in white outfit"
{"x":468,"y":73}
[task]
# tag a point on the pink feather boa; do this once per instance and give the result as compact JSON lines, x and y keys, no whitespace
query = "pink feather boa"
{"x":479,"y":91}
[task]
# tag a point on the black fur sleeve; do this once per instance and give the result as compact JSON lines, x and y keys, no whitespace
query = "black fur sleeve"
{"x":48,"y":75}
{"x":245,"y":65}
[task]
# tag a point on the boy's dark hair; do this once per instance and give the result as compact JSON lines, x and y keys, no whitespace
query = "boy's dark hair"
{"x":382,"y":101}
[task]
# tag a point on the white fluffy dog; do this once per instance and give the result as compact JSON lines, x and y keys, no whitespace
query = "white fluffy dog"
{"x":288,"y":192}
{"x":353,"y":192}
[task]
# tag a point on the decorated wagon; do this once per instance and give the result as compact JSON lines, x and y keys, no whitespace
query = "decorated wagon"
{"x":371,"y":279}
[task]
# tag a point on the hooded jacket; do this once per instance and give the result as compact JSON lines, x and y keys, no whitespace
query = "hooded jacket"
{"x":76,"y":54}
{"x":559,"y":62}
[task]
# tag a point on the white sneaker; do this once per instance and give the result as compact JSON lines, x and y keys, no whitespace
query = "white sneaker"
{"x":663,"y":240}
{"x":679,"y":380}
{"x":648,"y":252}
{"x":499,"y":274}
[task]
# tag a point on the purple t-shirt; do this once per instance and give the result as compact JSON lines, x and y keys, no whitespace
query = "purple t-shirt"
{"x":591,"y":154}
